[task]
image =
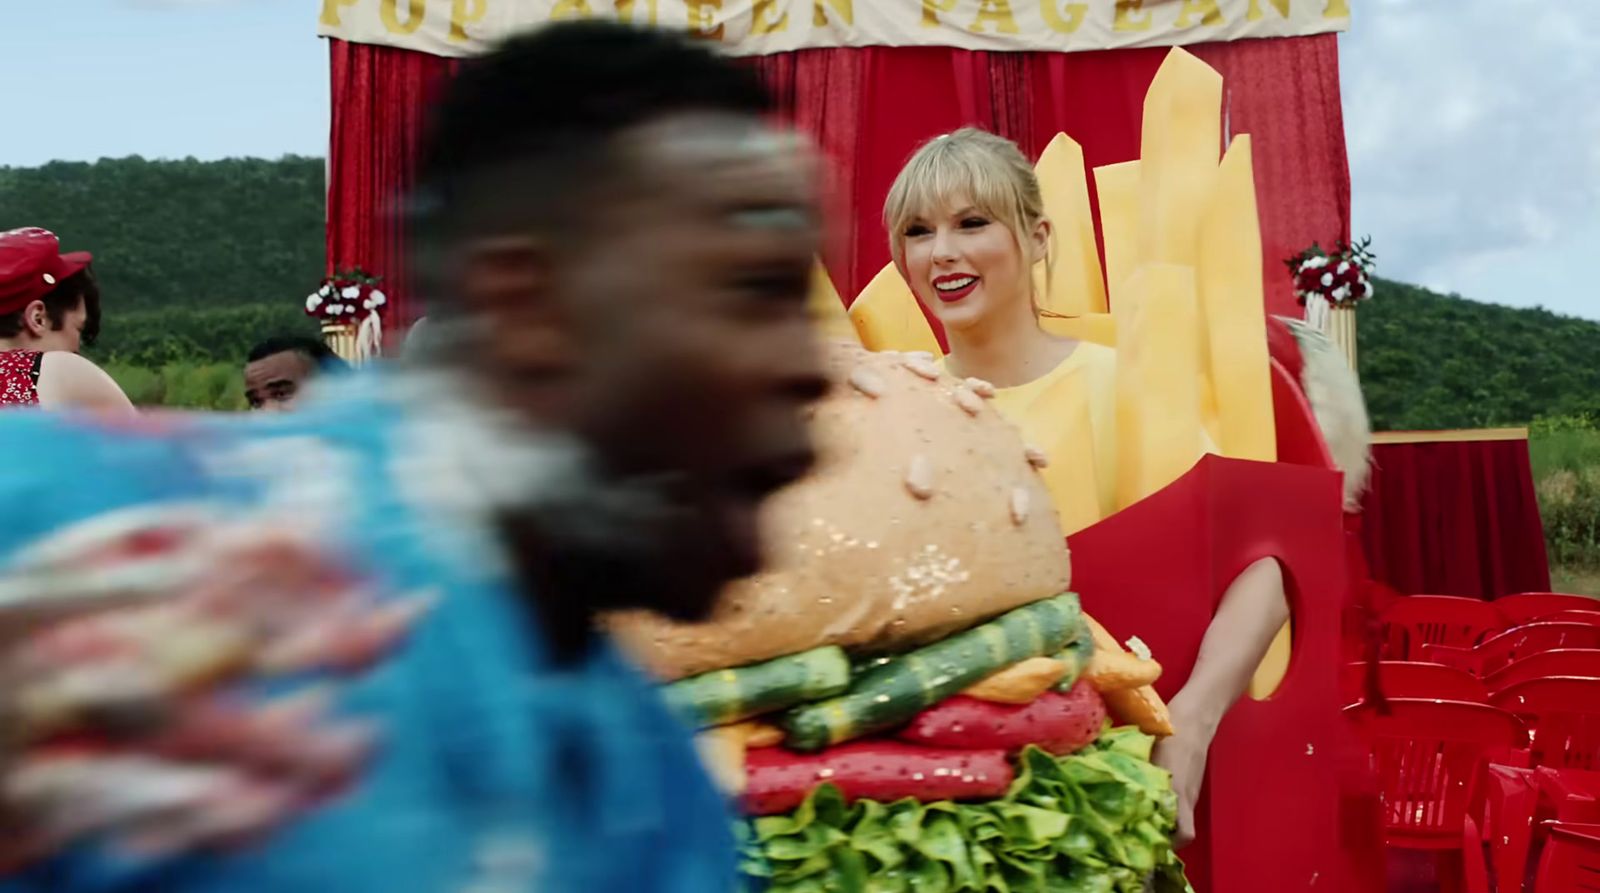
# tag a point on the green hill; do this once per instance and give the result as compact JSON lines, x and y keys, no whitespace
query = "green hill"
{"x":192,"y":234}
{"x":1439,"y":361}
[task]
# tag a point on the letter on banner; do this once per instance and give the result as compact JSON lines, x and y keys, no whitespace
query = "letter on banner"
{"x":330,"y":11}
{"x":1337,"y":9}
{"x":625,"y":11}
{"x":571,"y":9}
{"x":389,"y":11}
{"x":762,"y":20}
{"x":931,"y":10}
{"x":1066,"y":19}
{"x":844,"y":9}
{"x":996,"y":13}
{"x":464,"y":13}
{"x":1206,"y":9}
{"x":703,"y":18}
{"x":1124,"y":19}
{"x":1255,"y":14}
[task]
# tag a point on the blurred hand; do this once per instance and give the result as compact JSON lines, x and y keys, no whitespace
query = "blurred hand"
{"x":122,"y":649}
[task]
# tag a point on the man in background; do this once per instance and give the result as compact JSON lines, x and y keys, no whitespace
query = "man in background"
{"x":278,"y":369}
{"x":616,"y":274}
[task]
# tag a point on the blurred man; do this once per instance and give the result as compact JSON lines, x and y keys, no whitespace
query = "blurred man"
{"x":49,"y":310}
{"x":277,"y":370}
{"x":618,"y":274}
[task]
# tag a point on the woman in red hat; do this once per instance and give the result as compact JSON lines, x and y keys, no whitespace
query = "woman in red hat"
{"x":49,"y":309}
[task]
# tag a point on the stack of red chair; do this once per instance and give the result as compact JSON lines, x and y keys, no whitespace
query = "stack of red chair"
{"x":1490,"y":737}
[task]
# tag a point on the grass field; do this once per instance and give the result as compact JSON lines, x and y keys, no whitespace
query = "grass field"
{"x":215,"y":386}
{"x":1566,"y":471}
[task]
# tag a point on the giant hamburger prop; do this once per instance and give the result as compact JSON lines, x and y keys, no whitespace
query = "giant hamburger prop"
{"x":911,"y":698}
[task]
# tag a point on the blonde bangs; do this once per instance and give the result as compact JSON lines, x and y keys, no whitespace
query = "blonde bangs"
{"x":965,"y":167}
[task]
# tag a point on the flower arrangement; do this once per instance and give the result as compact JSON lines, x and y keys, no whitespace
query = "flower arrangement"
{"x":1341,"y":278}
{"x":347,"y":297}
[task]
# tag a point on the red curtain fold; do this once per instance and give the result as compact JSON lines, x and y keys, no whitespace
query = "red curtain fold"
{"x":379,"y":98}
{"x":1455,"y":519}
{"x":868,"y":108}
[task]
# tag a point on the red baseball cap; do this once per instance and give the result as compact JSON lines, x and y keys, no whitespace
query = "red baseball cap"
{"x":31,"y":263}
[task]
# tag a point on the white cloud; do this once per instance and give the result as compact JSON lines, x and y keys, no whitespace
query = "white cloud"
{"x":1474,"y":136}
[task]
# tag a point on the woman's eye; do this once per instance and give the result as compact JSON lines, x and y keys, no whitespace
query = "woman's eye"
{"x":974,"y":223}
{"x":916,"y":229}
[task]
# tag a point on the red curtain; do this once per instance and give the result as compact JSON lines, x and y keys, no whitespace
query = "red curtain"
{"x":1455,"y":519}
{"x":870,"y":107}
{"x":379,"y":97}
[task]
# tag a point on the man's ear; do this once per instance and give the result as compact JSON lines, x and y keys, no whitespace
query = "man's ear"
{"x":36,"y":317}
{"x":506,"y":283}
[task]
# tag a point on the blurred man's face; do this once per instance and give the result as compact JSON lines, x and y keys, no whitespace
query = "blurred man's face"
{"x":272,"y":383}
{"x":687,"y":349}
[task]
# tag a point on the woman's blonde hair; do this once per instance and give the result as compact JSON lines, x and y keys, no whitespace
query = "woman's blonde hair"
{"x":989,"y":170}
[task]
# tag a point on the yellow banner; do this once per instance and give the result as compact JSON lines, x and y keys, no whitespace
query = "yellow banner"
{"x":756,"y":27}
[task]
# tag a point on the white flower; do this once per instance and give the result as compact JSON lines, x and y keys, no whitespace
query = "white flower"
{"x":351,"y":292}
{"x":1317,"y":263}
{"x":378,"y":298}
{"x":1327,"y":279}
{"x":313,"y":302}
{"x":1344,"y":265}
{"x":326,"y":290}
{"x":1342,"y":292}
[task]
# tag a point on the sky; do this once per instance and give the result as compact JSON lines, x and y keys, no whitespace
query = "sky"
{"x":1473,"y":126}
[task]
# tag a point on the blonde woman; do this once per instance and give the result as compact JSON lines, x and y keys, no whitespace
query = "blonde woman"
{"x":966,"y":227}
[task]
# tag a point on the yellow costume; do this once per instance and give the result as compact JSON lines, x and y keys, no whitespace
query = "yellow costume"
{"x":1070,"y":414}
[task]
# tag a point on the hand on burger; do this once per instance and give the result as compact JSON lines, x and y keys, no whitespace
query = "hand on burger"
{"x":1184,"y":755}
{"x":125,"y":652}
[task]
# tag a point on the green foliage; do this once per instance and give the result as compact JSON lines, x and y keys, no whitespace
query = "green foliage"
{"x":183,"y":233}
{"x":1566,"y":467}
{"x":1434,"y":361}
{"x":155,"y":338}
{"x":210,"y":386}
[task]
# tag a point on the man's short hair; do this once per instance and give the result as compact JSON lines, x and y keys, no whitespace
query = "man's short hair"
{"x":312,"y":349}
{"x":512,"y":115}
{"x":80,"y":287}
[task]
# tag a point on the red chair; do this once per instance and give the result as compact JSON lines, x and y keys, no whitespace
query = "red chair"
{"x":1506,"y":648}
{"x":1591,"y":617}
{"x":1544,"y":664}
{"x":1407,"y":679}
{"x":1418,"y":620}
{"x":1525,"y":607}
{"x":1563,"y":719}
{"x":1572,"y":795}
{"x":1430,"y":757}
{"x":1571,"y":862}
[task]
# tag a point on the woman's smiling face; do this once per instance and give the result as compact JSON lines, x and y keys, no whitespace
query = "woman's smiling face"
{"x":964,"y":265}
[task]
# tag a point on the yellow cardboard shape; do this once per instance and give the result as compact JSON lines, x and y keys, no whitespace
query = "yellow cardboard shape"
{"x":1118,"y":188}
{"x":1234,"y":310}
{"x":886,"y":316}
{"x":1076,"y":285}
{"x":1179,"y":146}
{"x":1158,"y":380}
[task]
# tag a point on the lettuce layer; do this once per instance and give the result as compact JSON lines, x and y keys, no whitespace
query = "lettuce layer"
{"x":1098,"y":821}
